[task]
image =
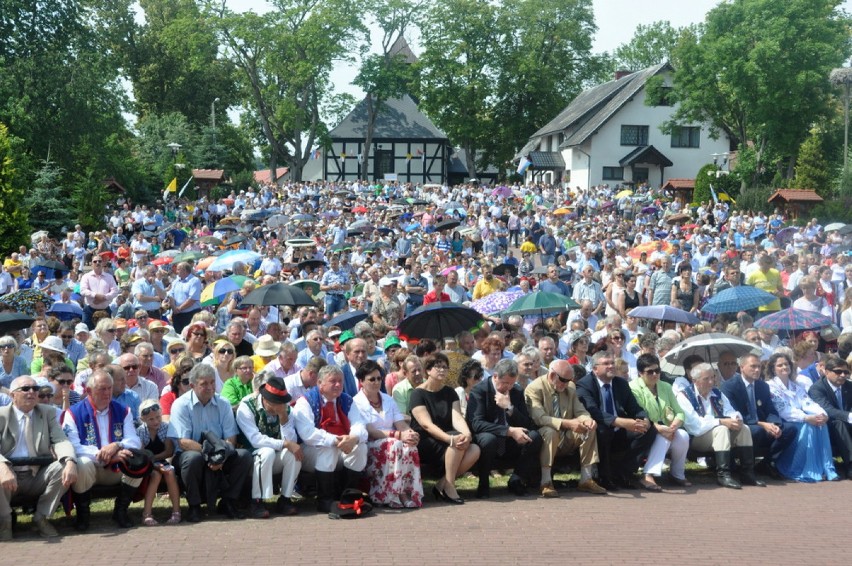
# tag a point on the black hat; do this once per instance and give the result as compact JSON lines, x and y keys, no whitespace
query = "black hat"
{"x":352,"y":505}
{"x":138,"y":464}
{"x":275,"y":391}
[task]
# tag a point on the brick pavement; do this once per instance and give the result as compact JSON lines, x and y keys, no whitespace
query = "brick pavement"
{"x":781,"y":524}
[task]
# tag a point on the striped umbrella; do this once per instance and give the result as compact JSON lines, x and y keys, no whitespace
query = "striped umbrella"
{"x":213,"y":293}
{"x":794,"y":319}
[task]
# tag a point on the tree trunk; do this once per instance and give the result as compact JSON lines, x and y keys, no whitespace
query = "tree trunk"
{"x":364,"y":166}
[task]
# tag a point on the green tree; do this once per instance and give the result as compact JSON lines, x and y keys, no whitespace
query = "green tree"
{"x":812,"y":168}
{"x":650,"y":45}
{"x":758,"y":70}
{"x":155,"y":133}
{"x":13,"y":216}
{"x":47,"y":202}
{"x":90,"y":199}
{"x":706,"y":176}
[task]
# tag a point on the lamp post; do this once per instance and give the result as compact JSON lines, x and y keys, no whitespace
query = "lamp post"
{"x":843,"y":77}
{"x":175,"y":148}
{"x":213,"y":123}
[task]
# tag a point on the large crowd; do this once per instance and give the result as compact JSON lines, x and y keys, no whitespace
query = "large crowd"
{"x":139,"y":356}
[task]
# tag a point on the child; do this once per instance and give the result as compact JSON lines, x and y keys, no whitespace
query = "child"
{"x":153,"y":436}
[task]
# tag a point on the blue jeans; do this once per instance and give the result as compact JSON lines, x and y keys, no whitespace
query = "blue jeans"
{"x":547,"y":259}
{"x":334,"y":304}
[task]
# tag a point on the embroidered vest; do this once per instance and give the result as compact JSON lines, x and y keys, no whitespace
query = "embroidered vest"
{"x":344,"y":403}
{"x":267,"y":427}
{"x":87,"y":424}
{"x":715,"y":401}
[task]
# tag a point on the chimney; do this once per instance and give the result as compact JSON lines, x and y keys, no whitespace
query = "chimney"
{"x":621,"y":73}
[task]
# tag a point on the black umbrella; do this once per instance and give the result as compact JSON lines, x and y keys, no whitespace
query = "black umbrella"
{"x":12,"y":321}
{"x":310,"y":264}
{"x":235,"y":240}
{"x":438,"y":321}
{"x":346,"y":320}
{"x":505,"y":268}
{"x":49,"y":264}
{"x":359,"y":231}
{"x":845,"y":230}
{"x":279,"y":294}
{"x":447,"y":225}
{"x":224,"y":227}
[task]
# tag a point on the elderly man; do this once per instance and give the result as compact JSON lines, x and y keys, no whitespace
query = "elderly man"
{"x":355,"y":352}
{"x":102,"y":433}
{"x":727,"y":363}
{"x":833,"y":392}
{"x":333,"y":437}
{"x":98,"y":289}
{"x":314,"y":346}
{"x":145,"y":354}
{"x":29,"y":430}
{"x":184,"y":297}
{"x":587,"y":289}
{"x":148,"y":293}
{"x":622,"y":424}
{"x":236,"y":333}
{"x":195,"y":413}
{"x":298,"y":383}
{"x":547,"y":349}
{"x":585,"y":314}
{"x":144,"y":388}
{"x":499,"y":418}
{"x":529,"y":366}
{"x":412,"y":376}
{"x":715,"y":425}
{"x":553,"y":284}
{"x":564,"y":425}
{"x":457,"y":293}
{"x":268,"y":433}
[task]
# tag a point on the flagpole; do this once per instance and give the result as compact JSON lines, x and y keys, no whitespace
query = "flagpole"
{"x":185,"y":185}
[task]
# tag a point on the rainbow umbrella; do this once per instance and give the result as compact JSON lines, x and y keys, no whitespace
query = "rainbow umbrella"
{"x":213,"y":293}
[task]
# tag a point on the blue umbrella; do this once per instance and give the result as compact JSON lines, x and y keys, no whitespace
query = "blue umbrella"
{"x":785,"y":234}
{"x":736,"y":299}
{"x":794,"y":319}
{"x":664,"y":312}
{"x":412,"y":227}
{"x":496,"y":302}
{"x":66,"y":311}
{"x":227,"y":260}
{"x":346,"y":320}
{"x":758,"y":233}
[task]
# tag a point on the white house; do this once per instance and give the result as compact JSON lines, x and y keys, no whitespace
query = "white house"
{"x":608,"y":134}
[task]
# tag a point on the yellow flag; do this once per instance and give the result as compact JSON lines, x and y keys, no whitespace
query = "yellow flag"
{"x":173,"y":186}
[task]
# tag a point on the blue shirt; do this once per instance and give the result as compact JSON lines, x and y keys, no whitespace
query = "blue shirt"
{"x":131,"y":400}
{"x":184,"y":289}
{"x":142,"y":287}
{"x":190,"y":419}
{"x":19,"y":367}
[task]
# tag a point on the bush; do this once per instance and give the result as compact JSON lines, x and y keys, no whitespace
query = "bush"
{"x":755,"y":199}
{"x":705,"y":177}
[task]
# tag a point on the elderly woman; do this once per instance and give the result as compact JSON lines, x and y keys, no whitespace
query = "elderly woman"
{"x":445,"y":438}
{"x":470,"y":374}
{"x":12,"y":365}
{"x":492,"y":352}
{"x":658,"y":400}
{"x":197,"y":336}
{"x":386,"y":308}
{"x":393,"y":463}
{"x":105,"y":330}
{"x":810,"y":300}
{"x":178,"y":386}
{"x":809,"y":457}
{"x":153,"y":437}
{"x":240,"y":385}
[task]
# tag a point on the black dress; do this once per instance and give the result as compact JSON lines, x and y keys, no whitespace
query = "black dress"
{"x":440,"y":407}
{"x":631,"y":302}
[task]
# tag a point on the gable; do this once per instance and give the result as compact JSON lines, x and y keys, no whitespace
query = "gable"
{"x":398,"y":118}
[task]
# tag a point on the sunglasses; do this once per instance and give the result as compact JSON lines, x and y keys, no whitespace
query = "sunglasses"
{"x":109,"y":330}
{"x":28,"y":388}
{"x":64,"y":381}
{"x":563,"y":379}
{"x":652,"y":370}
{"x":176,"y":351}
{"x":840,"y":371}
{"x":148,"y":410}
{"x":67,"y":336}
{"x":130,"y":366}
{"x":7,"y":347}
{"x":200,"y":334}
{"x":226,"y":351}
{"x":373,"y":379}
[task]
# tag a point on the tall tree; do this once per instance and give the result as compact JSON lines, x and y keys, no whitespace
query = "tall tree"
{"x":13,"y":214}
{"x":650,"y":45}
{"x":758,"y":70}
{"x":284,"y":59}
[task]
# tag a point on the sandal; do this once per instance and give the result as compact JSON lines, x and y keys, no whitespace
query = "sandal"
{"x":149,"y":521}
{"x":174,"y":519}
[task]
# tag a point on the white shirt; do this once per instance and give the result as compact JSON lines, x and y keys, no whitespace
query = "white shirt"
{"x":248,"y":426}
{"x":695,"y":424}
{"x":303,"y":419}
{"x":146,"y":389}
{"x":21,"y":450}
{"x":129,"y":440}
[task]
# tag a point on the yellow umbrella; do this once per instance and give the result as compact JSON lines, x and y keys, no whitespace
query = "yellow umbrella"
{"x":624,"y":193}
{"x":561,"y":211}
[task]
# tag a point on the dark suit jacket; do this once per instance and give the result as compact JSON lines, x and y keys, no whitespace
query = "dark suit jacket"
{"x":625,"y":403}
{"x":735,"y":390}
{"x":482,"y":411}
{"x":822,"y":393}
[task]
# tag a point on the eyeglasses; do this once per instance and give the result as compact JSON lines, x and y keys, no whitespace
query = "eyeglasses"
{"x":840,"y":371}
{"x":226,"y":351}
{"x":45,"y":395}
{"x":66,"y":336}
{"x":148,"y":410}
{"x":176,"y":351}
{"x":130,"y":366}
{"x":652,"y":370}
{"x":200,"y":334}
{"x":64,"y":381}
{"x":141,"y":316}
{"x":7,"y":347}
{"x":563,"y":379}
{"x":28,"y":388}
{"x":373,"y":379}
{"x":617,"y":338}
{"x":476,"y":376}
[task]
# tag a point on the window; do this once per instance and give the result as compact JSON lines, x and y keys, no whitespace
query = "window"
{"x":686,"y":136}
{"x":640,"y":175}
{"x":634,"y":135}
{"x":383,"y":163}
{"x":613,"y":173}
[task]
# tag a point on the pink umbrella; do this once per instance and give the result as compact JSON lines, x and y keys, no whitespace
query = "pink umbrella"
{"x":502,"y":191}
{"x":446,"y":270}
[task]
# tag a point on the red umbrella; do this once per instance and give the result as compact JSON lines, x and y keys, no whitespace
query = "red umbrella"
{"x":163,"y":260}
{"x":359,"y":209}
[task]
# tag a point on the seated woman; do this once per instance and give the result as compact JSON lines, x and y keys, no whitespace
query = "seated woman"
{"x":658,"y":400}
{"x":809,"y":457}
{"x":12,"y":364}
{"x":153,"y":437}
{"x":179,"y":385}
{"x":445,"y":438}
{"x":471,"y":373}
{"x":393,"y":464}
{"x":240,"y":385}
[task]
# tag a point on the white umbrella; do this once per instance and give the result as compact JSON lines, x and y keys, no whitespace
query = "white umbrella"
{"x":709,"y":347}
{"x":833,"y":227}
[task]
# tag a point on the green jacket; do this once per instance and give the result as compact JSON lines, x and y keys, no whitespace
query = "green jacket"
{"x":662,"y":408}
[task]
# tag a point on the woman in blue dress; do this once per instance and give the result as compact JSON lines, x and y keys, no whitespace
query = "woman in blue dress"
{"x":808,"y":458}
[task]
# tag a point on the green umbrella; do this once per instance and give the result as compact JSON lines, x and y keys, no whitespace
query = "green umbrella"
{"x":189,"y":256}
{"x":302,"y":283}
{"x":541,"y":302}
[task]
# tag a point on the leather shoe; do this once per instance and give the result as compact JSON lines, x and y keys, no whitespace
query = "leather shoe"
{"x":258,"y":511}
{"x":285,"y":507}
{"x":548,"y":491}
{"x":607,"y":484}
{"x":680,"y":482}
{"x":193,"y":515}
{"x":5,"y":530}
{"x":591,"y":486}
{"x":483,"y":490}
{"x":649,"y":486}
{"x":44,"y":528}
{"x":728,"y":481}
{"x":517,"y":487}
{"x":751,"y":480}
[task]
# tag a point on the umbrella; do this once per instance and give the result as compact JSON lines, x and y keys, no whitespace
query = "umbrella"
{"x":624,"y":193}
{"x":845,"y":230}
{"x":502,"y":191}
{"x":664,"y":312}
{"x":649,"y":210}
{"x":834,"y":226}
{"x":203,"y":264}
{"x":540,"y":302}
{"x":439,"y":320}
{"x":457,"y":210}
{"x":301,"y":243}
{"x":540,"y":270}
{"x":227,"y":260}
{"x":412,"y":227}
{"x":12,"y":321}
{"x":213,"y":293}
{"x":66,"y":311}
{"x":346,"y":320}
{"x":25,"y":300}
{"x":785,"y":234}
{"x":447,"y":225}
{"x":305,"y":283}
{"x":678,"y":218}
{"x":496,"y":302}
{"x":189,"y":256}
{"x":359,"y":210}
{"x":340,"y":247}
{"x":506,"y":268}
{"x":235,"y":240}
{"x":277,"y":221}
{"x":757,"y":233}
{"x":225,"y":227}
{"x":310,"y":264}
{"x":359,"y":224}
{"x":376,"y":246}
{"x":49,"y":264}
{"x":211,"y":240}
{"x":417,"y":202}
{"x":793,"y":319}
{"x":279,"y":294}
{"x":649,"y":247}
{"x":303,"y":218}
{"x":709,"y":347}
{"x":607,"y":204}
{"x":736,"y":299}
{"x":446,"y":271}
{"x":561,"y":211}
{"x":168,"y":253}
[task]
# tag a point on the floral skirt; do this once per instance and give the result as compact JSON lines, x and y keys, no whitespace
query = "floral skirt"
{"x":393,"y":469}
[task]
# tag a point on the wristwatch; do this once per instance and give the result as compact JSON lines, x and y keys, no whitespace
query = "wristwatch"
{"x":65,"y":459}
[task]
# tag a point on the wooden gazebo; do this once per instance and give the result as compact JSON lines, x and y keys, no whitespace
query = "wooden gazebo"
{"x":207,"y":179}
{"x":794,"y":201}
{"x":680,"y":190}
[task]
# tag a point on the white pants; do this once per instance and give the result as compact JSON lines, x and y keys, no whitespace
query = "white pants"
{"x":329,"y":458}
{"x":89,"y":474}
{"x":679,"y":446}
{"x":268,"y":462}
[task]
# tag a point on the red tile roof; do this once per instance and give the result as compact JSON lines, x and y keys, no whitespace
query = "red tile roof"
{"x":795,"y":195}
{"x":679,"y":184}
{"x":262,"y":176}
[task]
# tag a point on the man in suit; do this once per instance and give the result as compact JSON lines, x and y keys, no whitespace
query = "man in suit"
{"x":355,"y":352}
{"x":749,"y":395}
{"x":30,"y":430}
{"x":834,"y":394}
{"x":564,"y":425}
{"x":623,"y":425}
{"x":504,"y":430}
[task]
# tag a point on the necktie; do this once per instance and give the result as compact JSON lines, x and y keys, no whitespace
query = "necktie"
{"x":609,"y":405}
{"x":752,"y":406}
{"x":27,"y":434}
{"x":839,"y":394}
{"x":556,"y":410}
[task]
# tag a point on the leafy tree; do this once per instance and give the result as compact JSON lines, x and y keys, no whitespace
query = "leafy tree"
{"x":650,"y":45}
{"x":155,"y":133}
{"x":13,"y":216}
{"x":812,"y":168}
{"x":47,"y":202}
{"x":90,"y":199}
{"x":706,"y":176}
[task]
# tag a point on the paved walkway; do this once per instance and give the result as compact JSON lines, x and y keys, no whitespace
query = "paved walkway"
{"x":781,"y":524}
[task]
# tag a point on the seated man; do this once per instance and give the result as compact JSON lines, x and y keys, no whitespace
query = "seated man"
{"x":749,"y":395}
{"x":267,"y":431}
{"x":623,"y":424}
{"x":834,"y":394}
{"x":198,"y":411}
{"x":333,"y":437}
{"x":564,"y":425}
{"x":298,"y":383}
{"x":503,"y":428}
{"x":101,"y":431}
{"x":713,"y":424}
{"x":30,"y":430}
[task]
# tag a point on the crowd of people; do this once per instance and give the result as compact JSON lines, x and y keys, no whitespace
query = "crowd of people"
{"x":132,"y":357}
